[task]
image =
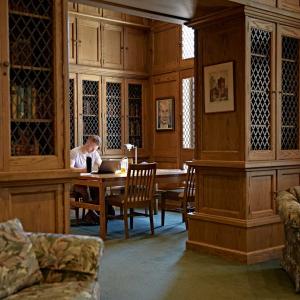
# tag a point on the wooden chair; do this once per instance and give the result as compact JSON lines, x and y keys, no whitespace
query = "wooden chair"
{"x":139,"y":190}
{"x":185,"y":197}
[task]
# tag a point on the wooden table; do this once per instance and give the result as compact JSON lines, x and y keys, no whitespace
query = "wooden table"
{"x":164,"y":178}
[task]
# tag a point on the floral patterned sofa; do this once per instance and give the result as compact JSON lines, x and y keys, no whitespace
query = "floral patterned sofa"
{"x":288,"y":203}
{"x":48,"y":266}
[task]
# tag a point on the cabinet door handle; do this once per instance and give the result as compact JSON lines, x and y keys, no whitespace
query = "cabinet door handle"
{"x":5,"y":64}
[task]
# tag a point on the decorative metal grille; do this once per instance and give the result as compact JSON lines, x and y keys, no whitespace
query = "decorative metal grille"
{"x":188,"y":113}
{"x":31,"y":77}
{"x":188,"y":43}
{"x":135,"y":114}
{"x":260,"y":89}
{"x":290,"y":94}
{"x":90,"y":102}
{"x":113,"y":115}
{"x":72,"y":113}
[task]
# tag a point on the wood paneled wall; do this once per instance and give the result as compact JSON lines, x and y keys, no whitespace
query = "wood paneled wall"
{"x":167,"y":71}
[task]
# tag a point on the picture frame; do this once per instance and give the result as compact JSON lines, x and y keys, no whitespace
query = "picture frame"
{"x":165,"y":114}
{"x":219,"y":88}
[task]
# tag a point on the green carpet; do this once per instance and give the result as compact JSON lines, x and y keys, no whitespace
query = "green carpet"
{"x":148,"y":267}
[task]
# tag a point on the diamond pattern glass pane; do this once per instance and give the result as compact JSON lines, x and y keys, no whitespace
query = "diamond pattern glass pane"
{"x":188,"y":47}
{"x":90,"y":103}
{"x":290,"y":94}
{"x":72,"y":113}
{"x":135,"y":114}
{"x":31,"y":77}
{"x":188,"y":113}
{"x":260,"y":89}
{"x":113,"y":115}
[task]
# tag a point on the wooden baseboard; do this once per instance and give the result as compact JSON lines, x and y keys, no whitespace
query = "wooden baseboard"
{"x":244,"y":257}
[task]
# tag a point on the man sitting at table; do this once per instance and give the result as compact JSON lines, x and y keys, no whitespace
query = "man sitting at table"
{"x":78,"y":157}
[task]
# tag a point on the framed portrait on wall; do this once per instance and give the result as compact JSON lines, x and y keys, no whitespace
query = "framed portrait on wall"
{"x":218,"y":88}
{"x":165,"y":112}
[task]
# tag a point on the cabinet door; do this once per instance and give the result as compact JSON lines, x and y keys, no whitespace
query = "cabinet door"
{"x":88,"y":33}
{"x":134,"y":111}
{"x":89,"y":115}
{"x":73,"y":112}
{"x":112,"y":46}
{"x":293,"y":5}
{"x":37,"y":128}
{"x":112,"y":15}
{"x":135,"y":49}
{"x":260,"y":67}
{"x":89,"y":10}
{"x":288,"y":92}
{"x":113,"y":116}
{"x":72,"y":39}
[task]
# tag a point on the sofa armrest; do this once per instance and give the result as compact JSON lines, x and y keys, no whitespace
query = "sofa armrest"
{"x":67,"y":252}
{"x":288,"y":208}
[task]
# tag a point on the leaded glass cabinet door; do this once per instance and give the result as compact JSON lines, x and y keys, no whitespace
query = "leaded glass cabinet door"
{"x":288,"y":92}
{"x":113,"y":116}
{"x":134,"y":112}
{"x":88,"y":107}
{"x":261,"y":90}
{"x":31,"y":78}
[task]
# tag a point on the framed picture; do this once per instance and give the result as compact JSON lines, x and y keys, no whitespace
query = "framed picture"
{"x":165,"y":114}
{"x":218,"y":88}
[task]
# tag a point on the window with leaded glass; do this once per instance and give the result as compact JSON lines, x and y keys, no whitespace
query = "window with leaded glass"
{"x":187,"y":41}
{"x":188,"y":113}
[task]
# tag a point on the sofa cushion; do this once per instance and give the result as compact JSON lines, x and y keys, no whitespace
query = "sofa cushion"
{"x":70,"y":253}
{"x":19,"y":267}
{"x":74,"y":290}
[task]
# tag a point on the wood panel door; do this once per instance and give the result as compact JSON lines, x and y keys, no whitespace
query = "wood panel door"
{"x":136,"y":45}
{"x":89,"y":107}
{"x":89,"y":10}
{"x":88,"y":35}
{"x":72,"y":6}
{"x":72,"y":39}
{"x":112,"y":15}
{"x":293,"y":5}
{"x":288,"y":91}
{"x":260,"y":90}
{"x":112,"y":46}
{"x":113,"y":116}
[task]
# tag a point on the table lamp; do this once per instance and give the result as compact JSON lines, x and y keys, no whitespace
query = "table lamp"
{"x":129,"y":147}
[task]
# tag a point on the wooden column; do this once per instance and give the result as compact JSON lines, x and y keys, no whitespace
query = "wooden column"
{"x":236,"y":183}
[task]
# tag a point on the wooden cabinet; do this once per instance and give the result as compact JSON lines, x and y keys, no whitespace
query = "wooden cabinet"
{"x":273,"y":100}
{"x":136,"y":45}
{"x":72,"y":39}
{"x":34,"y":154}
{"x":118,"y":118}
{"x":72,"y":6}
{"x":112,"y":46}
{"x":88,"y":36}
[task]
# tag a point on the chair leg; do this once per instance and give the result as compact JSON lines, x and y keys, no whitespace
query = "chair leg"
{"x":151,"y":219}
{"x":83,"y":213}
{"x":131,"y":218}
{"x":126,"y":223}
{"x":77,"y":214}
{"x":163,"y":207}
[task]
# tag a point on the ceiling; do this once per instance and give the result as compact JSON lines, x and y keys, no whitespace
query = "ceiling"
{"x":177,"y":11}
